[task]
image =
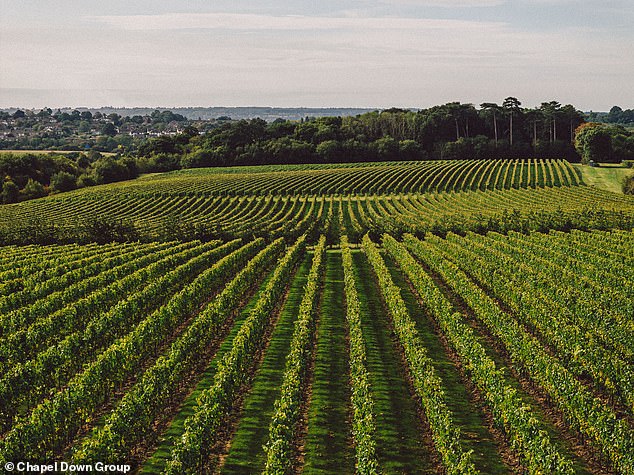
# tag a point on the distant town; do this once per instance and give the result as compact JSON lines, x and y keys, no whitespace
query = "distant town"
{"x":110,"y":128}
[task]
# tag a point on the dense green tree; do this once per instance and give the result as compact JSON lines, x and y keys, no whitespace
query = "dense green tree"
{"x":550,"y":112}
{"x":83,"y":127}
{"x":197,"y":159}
{"x":410,"y":150}
{"x":573,"y":118}
{"x":108,"y":129}
{"x":33,"y":189}
{"x":10,"y":192}
{"x":164,"y":162}
{"x":109,"y":170}
{"x":622,"y":143}
{"x":330,"y":151}
{"x":386,"y":148}
{"x":114,"y":118}
{"x":131,"y":166}
{"x":85,"y":180}
{"x":63,"y":181}
{"x":594,"y":143}
{"x":495,"y":111}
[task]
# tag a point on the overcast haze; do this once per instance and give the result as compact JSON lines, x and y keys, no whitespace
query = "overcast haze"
{"x":406,"y":53}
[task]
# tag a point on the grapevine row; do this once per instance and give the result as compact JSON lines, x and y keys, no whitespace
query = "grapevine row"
{"x":25,"y":384}
{"x":54,"y":423}
{"x":585,"y":412}
{"x":190,"y":454}
{"x":427,"y":384}
{"x":363,"y":417}
{"x":132,"y":420}
{"x":283,"y":427}
{"x":527,"y":435}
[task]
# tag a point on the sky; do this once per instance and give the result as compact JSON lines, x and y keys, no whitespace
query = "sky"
{"x":325,"y":53}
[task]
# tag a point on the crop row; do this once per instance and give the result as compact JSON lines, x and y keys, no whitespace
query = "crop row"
{"x":283,"y":426}
{"x":184,"y":218}
{"x":580,"y":349}
{"x":583,"y":410}
{"x":363,"y":415}
{"x":191,"y":453}
{"x":427,"y":383}
{"x":528,"y":436}
{"x":24,"y":384}
{"x":54,"y":423}
{"x":133,"y":418}
{"x":387,"y":177}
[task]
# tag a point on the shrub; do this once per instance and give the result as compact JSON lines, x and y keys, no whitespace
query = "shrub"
{"x":63,"y":181}
{"x":33,"y":189}
{"x":10,"y":192}
{"x":109,"y":170}
{"x":106,"y":230}
{"x":628,"y":185}
{"x":85,"y":180}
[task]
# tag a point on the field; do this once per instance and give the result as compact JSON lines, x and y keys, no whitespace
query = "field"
{"x":266,"y":201}
{"x":435,"y":318}
{"x":607,"y":177}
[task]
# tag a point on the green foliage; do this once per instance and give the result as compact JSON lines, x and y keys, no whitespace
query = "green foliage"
{"x":198,"y":158}
{"x":191,"y":452}
{"x":63,"y":181}
{"x":59,"y":418}
{"x":593,"y":142}
{"x":109,"y":129}
{"x":110,"y":170}
{"x":521,"y":426}
{"x":102,"y":230}
{"x":628,"y":185}
{"x":508,"y":131}
{"x":364,"y":418}
{"x":10,"y":192}
{"x":604,"y":144}
{"x":159,"y":162}
{"x":33,"y":189}
{"x":330,"y":151}
{"x":427,"y":384}
{"x":582,"y":409}
{"x":283,"y":427}
{"x":85,"y":180}
{"x":169,"y":267}
{"x":132,"y":419}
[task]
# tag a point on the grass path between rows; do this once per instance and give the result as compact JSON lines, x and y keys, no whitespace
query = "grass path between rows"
{"x":156,"y":462}
{"x":467,"y":416}
{"x":539,"y":406}
{"x":607,"y":177}
{"x":328,"y":447}
{"x":246,"y":454}
{"x":400,"y":441}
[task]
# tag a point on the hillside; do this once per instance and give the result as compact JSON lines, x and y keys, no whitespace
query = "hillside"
{"x":464,"y":317}
{"x":274,"y":201}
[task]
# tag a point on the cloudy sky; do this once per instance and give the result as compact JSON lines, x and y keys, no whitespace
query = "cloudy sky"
{"x":287,"y":53}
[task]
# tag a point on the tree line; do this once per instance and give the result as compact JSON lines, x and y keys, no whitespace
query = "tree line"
{"x":449,"y":131}
{"x":29,"y":175}
{"x":453,"y":131}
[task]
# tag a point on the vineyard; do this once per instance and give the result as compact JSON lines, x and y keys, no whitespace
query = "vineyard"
{"x":455,"y":318}
{"x":362,"y":178}
{"x":270,"y":201}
